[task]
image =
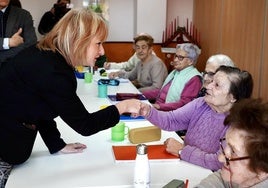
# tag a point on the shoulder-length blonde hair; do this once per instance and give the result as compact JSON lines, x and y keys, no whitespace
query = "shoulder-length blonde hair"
{"x":72,"y":35}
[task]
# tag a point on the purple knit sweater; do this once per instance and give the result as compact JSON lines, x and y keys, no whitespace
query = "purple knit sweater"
{"x":204,"y":130}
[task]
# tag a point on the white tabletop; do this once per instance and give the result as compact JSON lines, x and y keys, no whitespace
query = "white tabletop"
{"x":96,"y":167}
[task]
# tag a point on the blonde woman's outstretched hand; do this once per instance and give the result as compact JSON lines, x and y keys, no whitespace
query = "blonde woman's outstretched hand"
{"x":131,"y":106}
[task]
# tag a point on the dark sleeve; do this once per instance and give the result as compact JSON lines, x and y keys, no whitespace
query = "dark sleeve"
{"x":87,"y":123}
{"x":59,"y":90}
{"x":28,"y":31}
{"x":46,"y":23}
{"x":1,"y":43}
{"x":51,"y":135}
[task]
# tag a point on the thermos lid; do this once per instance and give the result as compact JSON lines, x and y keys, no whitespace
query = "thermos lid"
{"x":141,"y":149}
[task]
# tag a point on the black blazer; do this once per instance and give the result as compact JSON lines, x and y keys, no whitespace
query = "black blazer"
{"x":18,"y":18}
{"x":36,"y":87}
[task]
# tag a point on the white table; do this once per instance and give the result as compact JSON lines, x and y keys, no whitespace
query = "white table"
{"x":95,"y":167}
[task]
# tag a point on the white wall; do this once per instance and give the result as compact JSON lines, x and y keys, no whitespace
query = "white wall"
{"x":121,"y":20}
{"x":130,"y":17}
{"x":127,"y":17}
{"x":179,"y":8}
{"x":151,"y":17}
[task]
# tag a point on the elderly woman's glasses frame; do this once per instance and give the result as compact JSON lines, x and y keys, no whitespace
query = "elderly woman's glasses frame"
{"x":209,"y":74}
{"x":230,"y":159}
{"x":180,"y":57}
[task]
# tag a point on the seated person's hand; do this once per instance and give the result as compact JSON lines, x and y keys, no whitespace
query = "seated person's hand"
{"x":113,"y":75}
{"x":156,"y":106}
{"x":173,"y":146}
{"x":73,"y":148}
{"x":107,"y":65}
{"x":16,"y":39}
{"x":136,"y":83}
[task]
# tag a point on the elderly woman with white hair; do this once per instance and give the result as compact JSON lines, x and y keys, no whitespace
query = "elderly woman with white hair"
{"x":182,"y":84}
{"x":214,"y":62}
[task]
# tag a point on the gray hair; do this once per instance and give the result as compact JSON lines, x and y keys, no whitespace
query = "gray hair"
{"x":221,"y":59}
{"x":191,"y":49}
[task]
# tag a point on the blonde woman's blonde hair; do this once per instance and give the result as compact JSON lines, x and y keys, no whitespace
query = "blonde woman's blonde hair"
{"x":72,"y":35}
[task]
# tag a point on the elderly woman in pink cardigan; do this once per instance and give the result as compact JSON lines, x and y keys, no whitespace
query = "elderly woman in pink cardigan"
{"x":182,"y":84}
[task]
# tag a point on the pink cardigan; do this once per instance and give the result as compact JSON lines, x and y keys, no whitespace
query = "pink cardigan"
{"x":189,"y":93}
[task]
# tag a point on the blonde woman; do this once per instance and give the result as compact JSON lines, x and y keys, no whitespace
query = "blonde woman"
{"x":39,"y":85}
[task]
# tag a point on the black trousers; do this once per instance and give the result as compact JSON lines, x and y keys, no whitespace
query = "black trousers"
{"x":16,"y":140}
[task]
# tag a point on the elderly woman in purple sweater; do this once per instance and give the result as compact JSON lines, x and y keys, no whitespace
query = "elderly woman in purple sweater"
{"x":203,"y":117}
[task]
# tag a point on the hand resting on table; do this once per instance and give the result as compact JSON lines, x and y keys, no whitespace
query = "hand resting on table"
{"x":73,"y":148}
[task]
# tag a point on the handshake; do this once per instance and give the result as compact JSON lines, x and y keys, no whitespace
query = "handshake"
{"x":134,"y":107}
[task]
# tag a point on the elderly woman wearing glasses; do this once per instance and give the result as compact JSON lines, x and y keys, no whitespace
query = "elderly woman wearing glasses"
{"x":244,"y":149}
{"x":203,"y":117}
{"x":182,"y":84}
{"x":213,"y":62}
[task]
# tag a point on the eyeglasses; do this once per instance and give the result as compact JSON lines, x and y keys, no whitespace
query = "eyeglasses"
{"x":209,"y":74}
{"x":180,"y":57}
{"x":227,"y":159}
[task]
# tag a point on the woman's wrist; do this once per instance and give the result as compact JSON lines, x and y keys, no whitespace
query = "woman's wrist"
{"x":121,"y":107}
{"x":148,"y":111}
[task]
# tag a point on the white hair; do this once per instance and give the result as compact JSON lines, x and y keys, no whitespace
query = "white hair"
{"x":221,"y":59}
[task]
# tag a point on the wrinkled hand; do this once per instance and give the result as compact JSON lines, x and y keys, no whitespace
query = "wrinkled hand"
{"x":16,"y":39}
{"x":173,"y":146}
{"x":136,"y":83}
{"x":156,"y":106}
{"x":145,"y":109}
{"x":73,"y":148}
{"x":113,"y":75}
{"x":107,"y":65}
